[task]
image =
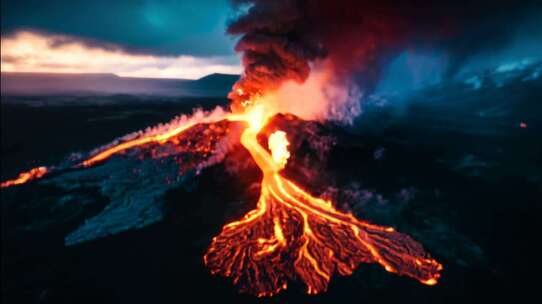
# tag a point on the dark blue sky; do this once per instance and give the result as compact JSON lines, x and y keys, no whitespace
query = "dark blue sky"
{"x":170,"y":28}
{"x":165,"y":27}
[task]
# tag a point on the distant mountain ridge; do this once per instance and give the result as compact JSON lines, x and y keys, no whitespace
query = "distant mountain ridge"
{"x":14,"y":83}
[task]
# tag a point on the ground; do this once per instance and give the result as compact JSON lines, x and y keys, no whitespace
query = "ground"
{"x":456,"y":166}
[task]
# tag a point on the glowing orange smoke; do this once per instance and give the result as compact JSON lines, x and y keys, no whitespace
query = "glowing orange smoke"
{"x":291,"y":235}
{"x":24,"y":177}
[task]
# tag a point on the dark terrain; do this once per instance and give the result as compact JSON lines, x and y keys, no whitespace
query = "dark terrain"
{"x":449,"y":165}
{"x":47,"y":84}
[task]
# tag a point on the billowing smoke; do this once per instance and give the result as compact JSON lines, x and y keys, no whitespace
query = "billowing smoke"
{"x":347,"y":42}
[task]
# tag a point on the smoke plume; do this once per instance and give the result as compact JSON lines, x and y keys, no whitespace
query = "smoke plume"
{"x":348,"y":41}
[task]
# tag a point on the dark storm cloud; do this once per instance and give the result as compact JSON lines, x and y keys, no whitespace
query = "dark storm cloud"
{"x":280,"y":38}
{"x":164,"y":27}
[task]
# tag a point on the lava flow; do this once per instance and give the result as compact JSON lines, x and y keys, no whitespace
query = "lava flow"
{"x":293,"y":235}
{"x":24,"y":177}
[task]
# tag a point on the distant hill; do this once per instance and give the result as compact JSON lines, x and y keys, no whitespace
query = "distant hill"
{"x":218,"y":79}
{"x":107,"y":84}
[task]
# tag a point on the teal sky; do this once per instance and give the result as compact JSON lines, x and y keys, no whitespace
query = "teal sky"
{"x":161,"y":27}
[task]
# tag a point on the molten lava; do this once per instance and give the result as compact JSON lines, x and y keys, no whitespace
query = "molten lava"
{"x":291,"y":235}
{"x":24,"y":177}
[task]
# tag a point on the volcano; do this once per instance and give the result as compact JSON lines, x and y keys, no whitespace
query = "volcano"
{"x":145,"y":217}
{"x":291,"y":235}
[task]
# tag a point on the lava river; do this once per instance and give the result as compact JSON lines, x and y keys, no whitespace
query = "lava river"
{"x":291,"y":235}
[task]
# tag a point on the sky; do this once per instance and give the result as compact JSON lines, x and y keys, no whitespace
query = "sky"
{"x":184,"y":39}
{"x":414,"y":68}
{"x":139,"y":38}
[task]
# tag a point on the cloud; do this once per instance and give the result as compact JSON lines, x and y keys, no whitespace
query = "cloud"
{"x":163,"y":27}
{"x":28,"y":51}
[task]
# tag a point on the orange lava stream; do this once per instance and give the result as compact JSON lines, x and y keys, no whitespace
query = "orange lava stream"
{"x":157,"y":138}
{"x":160,"y":138}
{"x":24,"y":177}
{"x":292,"y":235}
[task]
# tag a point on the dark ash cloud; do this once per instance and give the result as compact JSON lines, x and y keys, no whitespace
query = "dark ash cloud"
{"x":281,"y":39}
